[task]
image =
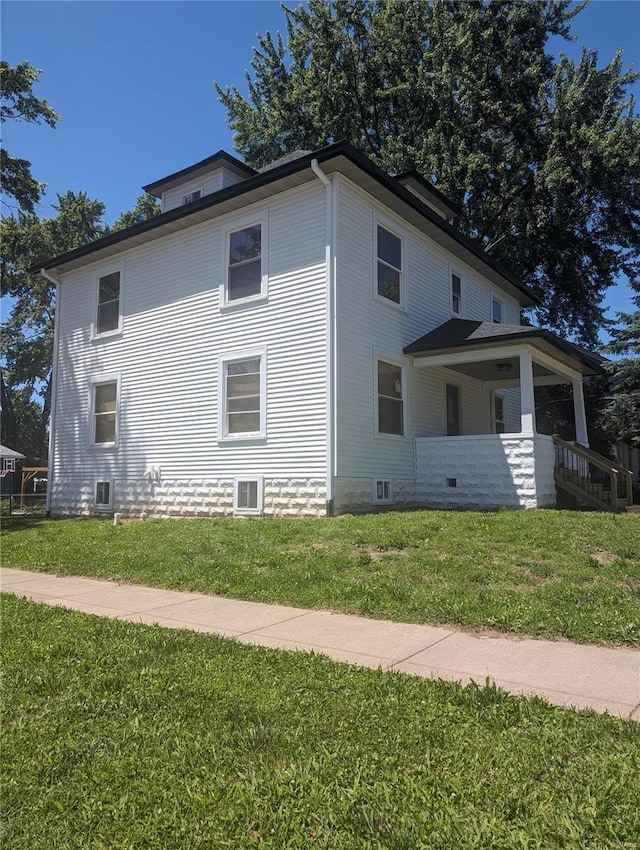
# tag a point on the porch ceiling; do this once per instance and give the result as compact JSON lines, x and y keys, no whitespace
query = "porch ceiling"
{"x":507,"y":368}
{"x":488,"y":352}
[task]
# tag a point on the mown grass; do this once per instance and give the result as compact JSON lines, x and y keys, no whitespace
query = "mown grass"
{"x":127,"y":736}
{"x":543,"y":573}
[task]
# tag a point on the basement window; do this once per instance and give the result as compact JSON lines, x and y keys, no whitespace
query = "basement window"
{"x":382,"y":492}
{"x":103,"y":495}
{"x":247,"y":499}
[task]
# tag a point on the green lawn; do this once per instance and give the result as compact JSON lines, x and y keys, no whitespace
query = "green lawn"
{"x":543,"y":573}
{"x":126,"y":736}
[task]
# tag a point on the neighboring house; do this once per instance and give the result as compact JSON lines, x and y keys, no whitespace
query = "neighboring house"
{"x":313,"y":338}
{"x":8,"y":458}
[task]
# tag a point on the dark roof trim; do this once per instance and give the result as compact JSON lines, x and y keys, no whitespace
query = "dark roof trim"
{"x":463,"y":333}
{"x":219,"y":158}
{"x":264,"y":178}
{"x":438,"y":197}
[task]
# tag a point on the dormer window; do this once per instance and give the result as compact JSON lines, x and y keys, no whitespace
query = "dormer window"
{"x":192,"y":196}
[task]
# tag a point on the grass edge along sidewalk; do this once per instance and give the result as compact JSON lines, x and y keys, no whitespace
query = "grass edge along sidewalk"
{"x":548,"y":574}
{"x":124,"y":735}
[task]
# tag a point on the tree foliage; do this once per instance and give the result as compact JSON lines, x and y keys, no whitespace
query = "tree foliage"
{"x":543,"y":155}
{"x":18,"y":103}
{"x":146,"y":207}
{"x":621,"y":416}
{"x":26,"y":338}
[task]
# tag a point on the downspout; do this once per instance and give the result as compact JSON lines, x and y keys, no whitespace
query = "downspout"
{"x":54,"y":374}
{"x":330,"y":230}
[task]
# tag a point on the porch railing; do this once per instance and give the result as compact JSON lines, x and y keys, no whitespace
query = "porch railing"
{"x":594,"y":479}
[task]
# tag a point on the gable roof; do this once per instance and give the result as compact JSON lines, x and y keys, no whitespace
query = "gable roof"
{"x":459,"y":334}
{"x":5,"y":451}
{"x":337,"y":158}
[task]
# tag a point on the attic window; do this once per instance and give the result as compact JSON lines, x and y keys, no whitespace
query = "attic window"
{"x":192,"y":196}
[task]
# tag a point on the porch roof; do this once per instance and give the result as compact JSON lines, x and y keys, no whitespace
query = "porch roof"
{"x":466,"y":335}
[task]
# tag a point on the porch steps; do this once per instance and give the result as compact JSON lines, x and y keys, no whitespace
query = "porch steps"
{"x":592,"y":480}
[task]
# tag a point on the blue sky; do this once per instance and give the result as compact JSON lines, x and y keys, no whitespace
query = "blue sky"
{"x":133,"y":82}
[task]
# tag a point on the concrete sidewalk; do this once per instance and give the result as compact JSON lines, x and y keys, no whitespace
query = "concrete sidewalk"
{"x":566,"y":674}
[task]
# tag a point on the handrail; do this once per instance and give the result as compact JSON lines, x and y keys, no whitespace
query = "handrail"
{"x":618,"y":475}
{"x":593,"y":457}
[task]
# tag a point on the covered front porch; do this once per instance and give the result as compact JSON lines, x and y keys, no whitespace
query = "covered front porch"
{"x":495,"y":457}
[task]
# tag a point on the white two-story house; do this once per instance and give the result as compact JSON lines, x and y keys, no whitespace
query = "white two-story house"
{"x":316,"y":337}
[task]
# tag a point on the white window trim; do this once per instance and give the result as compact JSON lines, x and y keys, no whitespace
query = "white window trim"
{"x":230,"y":357}
{"x":380,"y":355}
{"x":191,"y":191}
{"x":95,"y":381}
{"x":9,"y":464}
{"x":454,"y":270}
{"x":460,"y":408}
{"x":258,"y":510}
{"x":100,"y":506}
{"x":397,"y":231}
{"x":240,"y":224}
{"x":103,"y":271}
{"x":503,"y":307}
{"x":375,"y":499}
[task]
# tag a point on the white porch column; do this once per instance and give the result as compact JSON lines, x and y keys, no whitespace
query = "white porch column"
{"x":527,"y":402}
{"x":579,"y":413}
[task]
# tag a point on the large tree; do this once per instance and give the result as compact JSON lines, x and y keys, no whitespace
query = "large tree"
{"x":18,"y":103}
{"x":621,"y":416}
{"x":543,"y":155}
{"x":26,"y":338}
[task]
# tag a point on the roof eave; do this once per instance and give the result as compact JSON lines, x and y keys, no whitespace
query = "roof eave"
{"x":591,"y":364}
{"x":475,"y":255}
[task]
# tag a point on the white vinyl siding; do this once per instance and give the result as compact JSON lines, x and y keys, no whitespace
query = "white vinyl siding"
{"x":169,"y":357}
{"x":362,"y":325}
{"x":218,"y":178}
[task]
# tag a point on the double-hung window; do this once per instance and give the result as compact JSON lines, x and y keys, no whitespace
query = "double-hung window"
{"x":390,"y":400}
{"x":109,"y":302}
{"x":456,"y":294}
{"x":389,"y":266}
{"x":243,"y":395}
{"x":245,"y":272}
{"x":496,"y":311}
{"x":104,"y":413}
